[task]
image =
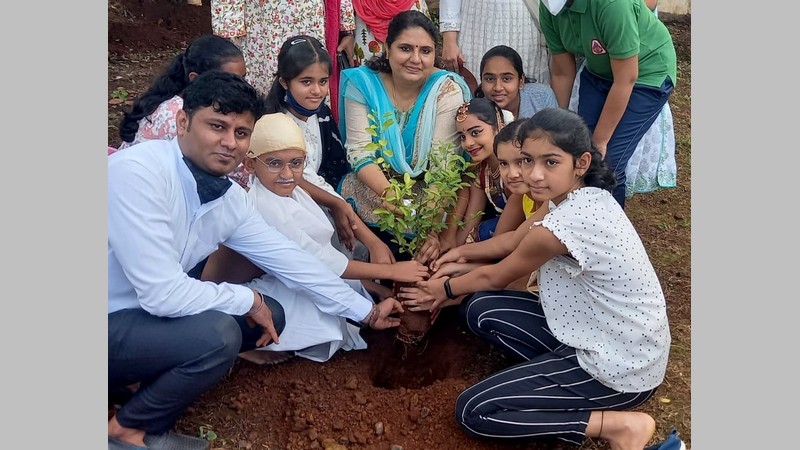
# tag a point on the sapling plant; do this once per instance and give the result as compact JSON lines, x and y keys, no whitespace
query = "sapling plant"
{"x":414,"y":213}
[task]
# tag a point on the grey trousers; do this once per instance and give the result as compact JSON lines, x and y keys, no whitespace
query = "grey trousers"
{"x":175,"y":359}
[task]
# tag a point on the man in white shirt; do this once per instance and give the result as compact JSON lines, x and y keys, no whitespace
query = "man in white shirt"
{"x":170,"y":205}
{"x":276,"y":161}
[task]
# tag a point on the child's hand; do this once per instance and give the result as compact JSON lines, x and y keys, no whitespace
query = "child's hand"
{"x":409,"y":271}
{"x":446,"y":242}
{"x":385,"y":309}
{"x":430,"y":249}
{"x":345,"y":221}
{"x":380,"y":253}
{"x":426,"y":296}
{"x":451,"y":255}
{"x":454,"y":269}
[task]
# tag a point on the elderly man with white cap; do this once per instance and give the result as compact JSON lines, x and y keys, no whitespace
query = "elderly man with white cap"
{"x":315,"y":328}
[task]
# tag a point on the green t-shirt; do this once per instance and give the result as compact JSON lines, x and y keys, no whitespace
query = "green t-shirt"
{"x":603,"y":29}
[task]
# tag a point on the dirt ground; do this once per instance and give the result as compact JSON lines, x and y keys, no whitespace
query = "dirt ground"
{"x":348,"y":402}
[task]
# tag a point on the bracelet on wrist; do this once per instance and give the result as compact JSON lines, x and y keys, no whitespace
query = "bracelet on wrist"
{"x":447,"y":290}
{"x":372,"y":316}
{"x":347,"y":33}
{"x":260,"y":304}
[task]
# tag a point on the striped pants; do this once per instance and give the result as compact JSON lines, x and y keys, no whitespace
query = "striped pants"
{"x":549,"y":395}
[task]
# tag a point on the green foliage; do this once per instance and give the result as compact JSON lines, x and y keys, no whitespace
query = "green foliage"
{"x":207,"y":433}
{"x":120,"y":93}
{"x":418,"y":212}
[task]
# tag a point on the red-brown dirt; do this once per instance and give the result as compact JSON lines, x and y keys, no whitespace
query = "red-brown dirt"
{"x":301,"y":404}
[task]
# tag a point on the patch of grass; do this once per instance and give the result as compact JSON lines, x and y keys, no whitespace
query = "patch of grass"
{"x":659,"y":259}
{"x":120,"y":93}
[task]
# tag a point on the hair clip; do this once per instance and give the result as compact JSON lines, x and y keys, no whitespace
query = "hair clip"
{"x":463,"y":111}
{"x":297,"y":41}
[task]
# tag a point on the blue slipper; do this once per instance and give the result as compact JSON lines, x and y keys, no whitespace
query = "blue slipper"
{"x":672,"y":442}
{"x":164,"y":441}
{"x":114,"y":444}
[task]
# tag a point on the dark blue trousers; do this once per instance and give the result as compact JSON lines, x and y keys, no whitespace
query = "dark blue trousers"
{"x":547,"y":395}
{"x":175,"y":359}
{"x":643,"y":109}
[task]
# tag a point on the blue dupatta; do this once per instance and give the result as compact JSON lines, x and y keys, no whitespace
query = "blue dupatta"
{"x":363,"y":85}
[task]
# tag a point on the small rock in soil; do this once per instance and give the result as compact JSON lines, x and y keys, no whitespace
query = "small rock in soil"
{"x":424,"y":412}
{"x":352,"y":383}
{"x":360,"y":399}
{"x":379,"y":428}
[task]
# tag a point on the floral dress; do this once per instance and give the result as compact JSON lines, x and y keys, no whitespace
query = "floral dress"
{"x":259,"y":29}
{"x":366,"y":45}
{"x":158,"y":125}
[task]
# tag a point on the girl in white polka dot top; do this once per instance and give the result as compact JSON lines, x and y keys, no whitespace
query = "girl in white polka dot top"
{"x":593,"y":344}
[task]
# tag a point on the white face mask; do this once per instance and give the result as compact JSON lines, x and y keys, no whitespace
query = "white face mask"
{"x":554,"y":6}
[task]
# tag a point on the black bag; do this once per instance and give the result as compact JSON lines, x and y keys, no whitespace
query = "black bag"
{"x":343,"y":61}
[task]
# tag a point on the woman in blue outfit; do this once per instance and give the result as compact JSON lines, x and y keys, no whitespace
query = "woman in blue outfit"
{"x":405,"y":85}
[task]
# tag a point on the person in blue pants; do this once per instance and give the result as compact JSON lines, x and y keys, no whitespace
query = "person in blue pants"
{"x":631,"y":70}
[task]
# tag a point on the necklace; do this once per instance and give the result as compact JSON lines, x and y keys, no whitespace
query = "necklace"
{"x":494,"y":174}
{"x":493,"y":186}
{"x":397,"y":104}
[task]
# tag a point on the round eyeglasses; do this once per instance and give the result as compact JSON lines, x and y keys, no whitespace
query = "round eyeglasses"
{"x":275,"y":165}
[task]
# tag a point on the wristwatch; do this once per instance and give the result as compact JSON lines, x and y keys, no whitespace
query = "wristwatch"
{"x":447,"y":290}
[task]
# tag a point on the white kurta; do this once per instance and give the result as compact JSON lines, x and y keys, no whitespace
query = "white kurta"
{"x":310,"y":332}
